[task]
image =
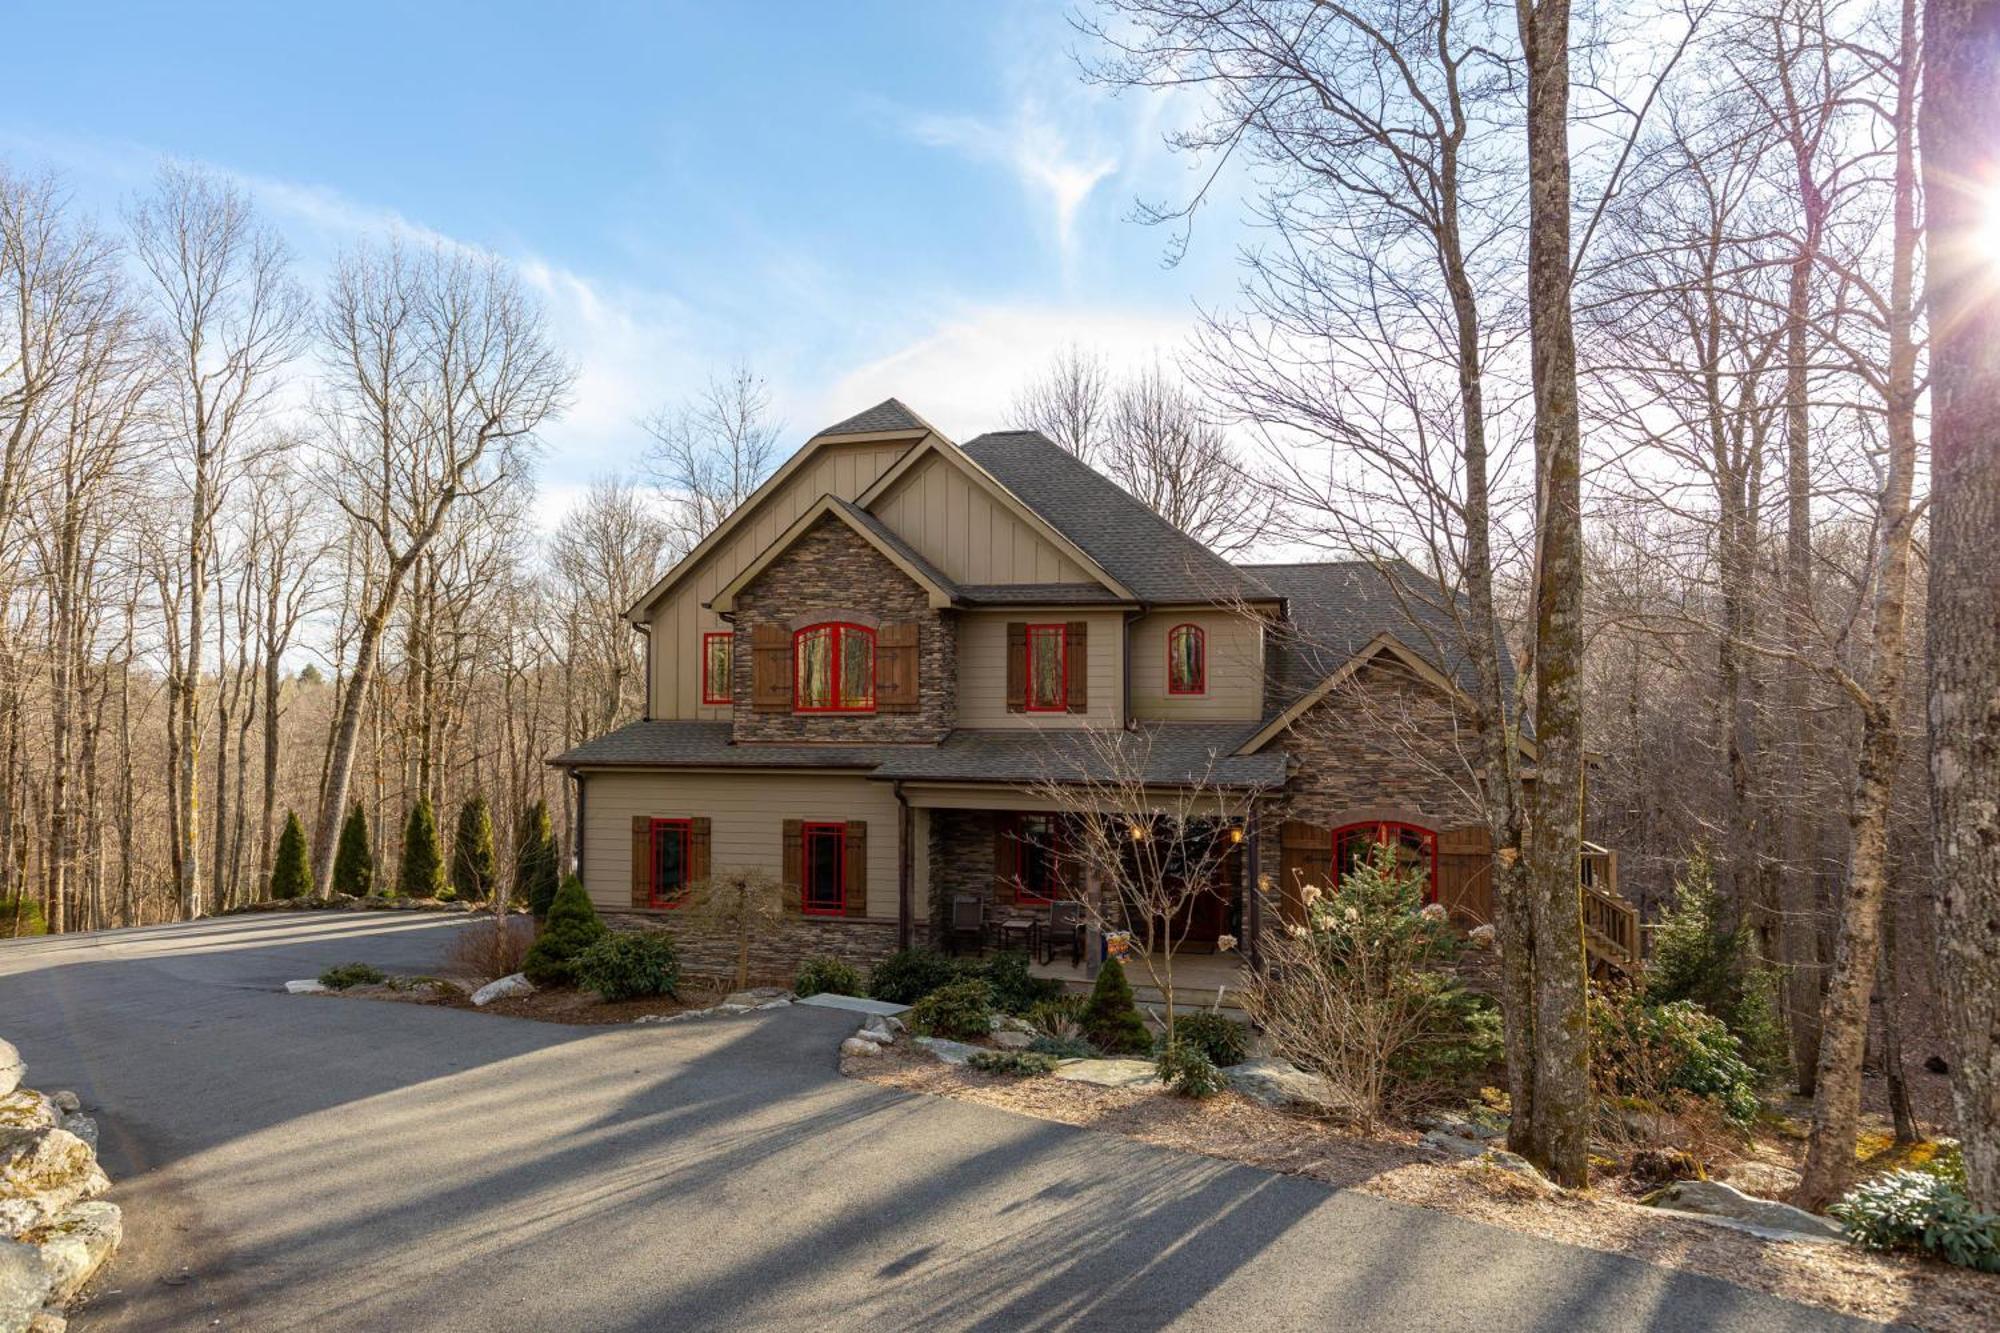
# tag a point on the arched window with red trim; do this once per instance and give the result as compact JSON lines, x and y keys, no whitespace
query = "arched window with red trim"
{"x":1414,"y":844}
{"x":1187,"y":660}
{"x":833,"y":668}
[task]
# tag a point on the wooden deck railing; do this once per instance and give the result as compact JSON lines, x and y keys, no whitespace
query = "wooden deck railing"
{"x":1610,"y":924}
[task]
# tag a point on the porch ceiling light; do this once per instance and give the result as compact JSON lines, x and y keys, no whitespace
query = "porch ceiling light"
{"x":1138,"y":832}
{"x":1236,"y":833}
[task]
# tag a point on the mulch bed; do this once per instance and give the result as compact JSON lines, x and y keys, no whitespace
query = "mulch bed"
{"x":1890,"y":1288}
{"x":555,"y":1005}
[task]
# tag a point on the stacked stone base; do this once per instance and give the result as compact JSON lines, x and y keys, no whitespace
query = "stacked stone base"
{"x":55,"y":1233}
{"x":776,"y":951}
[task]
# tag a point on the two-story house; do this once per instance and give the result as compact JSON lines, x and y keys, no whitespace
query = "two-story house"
{"x":858,"y":681}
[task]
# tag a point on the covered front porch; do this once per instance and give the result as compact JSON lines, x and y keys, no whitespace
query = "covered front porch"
{"x":1200,"y":979}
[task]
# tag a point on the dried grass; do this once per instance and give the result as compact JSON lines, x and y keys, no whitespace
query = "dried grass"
{"x":490,"y":949}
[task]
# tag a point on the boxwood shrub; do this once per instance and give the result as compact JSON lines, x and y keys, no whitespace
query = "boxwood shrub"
{"x":629,"y":965}
{"x":963,"y":1010}
{"x":826,"y":976}
{"x":906,"y":976}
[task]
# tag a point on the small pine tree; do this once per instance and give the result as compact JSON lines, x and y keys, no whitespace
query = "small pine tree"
{"x":472,"y":872}
{"x":291,"y":877}
{"x":353,"y":863}
{"x":421,"y":874}
{"x":1111,"y":1020}
{"x":535,"y":877}
{"x":572,"y":927}
{"x":1696,"y":958}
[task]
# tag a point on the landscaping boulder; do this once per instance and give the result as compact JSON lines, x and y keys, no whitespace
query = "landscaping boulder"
{"x":1013,"y":1041}
{"x":1515,"y":1164}
{"x":24,"y":1284}
{"x":1109,"y":1073}
{"x":1279,"y":1083}
{"x":951,"y":1052}
{"x":24,"y":1108}
{"x":12,"y":1068}
{"x":305,"y":988}
{"x":881,"y":1028}
{"x":1009,"y":1023}
{"x":504,"y":988}
{"x":1712,"y":1198}
{"x":1456,"y":1145}
{"x":758,"y":997}
{"x":76,"y":1244}
{"x":1766,"y":1180}
{"x":859,"y":1046}
{"x":42,"y":1172}
{"x":83,"y":1126}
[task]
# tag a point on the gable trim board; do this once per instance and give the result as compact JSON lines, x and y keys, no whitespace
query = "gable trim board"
{"x":640,"y":610}
{"x":938,"y":591}
{"x":937,"y":445}
{"x":1382,"y":644}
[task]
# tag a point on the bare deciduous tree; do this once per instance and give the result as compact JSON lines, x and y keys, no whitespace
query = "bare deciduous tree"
{"x":712,"y":451}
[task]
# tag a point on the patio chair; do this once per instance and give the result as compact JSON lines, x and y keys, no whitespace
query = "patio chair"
{"x":1065,"y":930}
{"x":968,"y":922}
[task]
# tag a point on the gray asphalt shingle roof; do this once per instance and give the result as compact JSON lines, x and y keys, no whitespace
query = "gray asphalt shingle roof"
{"x":1047,"y":594}
{"x":889,"y":414}
{"x":1143,"y":551}
{"x":1165,"y":755}
{"x":1335,"y":609}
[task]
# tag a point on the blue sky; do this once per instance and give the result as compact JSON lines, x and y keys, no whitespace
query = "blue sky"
{"x":859,"y":199}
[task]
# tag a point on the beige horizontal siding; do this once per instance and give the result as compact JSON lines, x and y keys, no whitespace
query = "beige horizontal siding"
{"x":1235,"y":667}
{"x":982,"y":670}
{"x":747,"y":812}
{"x":680,"y":621}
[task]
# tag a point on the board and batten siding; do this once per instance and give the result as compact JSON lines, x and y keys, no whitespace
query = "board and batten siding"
{"x":844,"y":470}
{"x":960,"y":528}
{"x":1235,"y":667}
{"x":746,"y":813}
{"x":982,"y":669}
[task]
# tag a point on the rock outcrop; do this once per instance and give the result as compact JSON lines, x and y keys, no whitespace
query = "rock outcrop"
{"x":55,"y":1233}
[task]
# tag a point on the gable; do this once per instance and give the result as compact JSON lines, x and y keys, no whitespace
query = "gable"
{"x":865,"y":533}
{"x":968,"y":528}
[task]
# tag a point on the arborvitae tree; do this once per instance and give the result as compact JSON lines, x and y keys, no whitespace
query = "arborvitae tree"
{"x":421,"y":874}
{"x":472,"y":871}
{"x":1111,"y":1020}
{"x":291,"y":877}
{"x":354,"y":864}
{"x":572,"y":927}
{"x":535,"y":860}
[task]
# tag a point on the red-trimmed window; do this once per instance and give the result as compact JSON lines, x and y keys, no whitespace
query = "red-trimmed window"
{"x":1038,"y":859}
{"x":1187,"y":660}
{"x":1048,"y":669}
{"x":823,"y":869}
{"x":833,"y":669}
{"x":717,"y":658}
{"x":670,"y":843}
{"x":1415,"y":846}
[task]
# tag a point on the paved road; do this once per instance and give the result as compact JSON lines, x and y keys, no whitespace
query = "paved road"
{"x":299,"y":1162}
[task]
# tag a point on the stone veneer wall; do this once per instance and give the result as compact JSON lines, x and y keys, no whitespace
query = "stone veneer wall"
{"x":1385,"y":739}
{"x":832,"y":574}
{"x":961,"y":854}
{"x":776,"y":953}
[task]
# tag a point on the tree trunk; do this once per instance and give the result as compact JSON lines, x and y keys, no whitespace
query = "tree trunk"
{"x":1562,"y":1103}
{"x":1889,"y":999}
{"x":1962,"y":63}
{"x":1836,"y":1118}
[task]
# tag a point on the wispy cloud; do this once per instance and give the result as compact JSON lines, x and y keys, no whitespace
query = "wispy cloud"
{"x":1052,"y":170}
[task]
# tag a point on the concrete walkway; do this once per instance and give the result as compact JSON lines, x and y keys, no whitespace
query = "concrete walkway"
{"x":314,"y":1162}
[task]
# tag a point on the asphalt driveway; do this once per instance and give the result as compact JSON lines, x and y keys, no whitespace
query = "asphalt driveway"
{"x":305,"y":1162}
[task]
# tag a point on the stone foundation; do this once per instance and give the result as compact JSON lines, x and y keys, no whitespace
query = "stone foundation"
{"x":776,"y":951}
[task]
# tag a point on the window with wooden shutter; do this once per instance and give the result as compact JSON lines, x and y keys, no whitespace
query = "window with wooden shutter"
{"x":770,"y":669}
{"x":1048,"y":669}
{"x":823,"y":869}
{"x":1076,"y":649}
{"x":1305,"y":856}
{"x":1006,"y":861}
{"x":1017,"y":666}
{"x":794,"y":838}
{"x":896,"y":667}
{"x":854,"y":887}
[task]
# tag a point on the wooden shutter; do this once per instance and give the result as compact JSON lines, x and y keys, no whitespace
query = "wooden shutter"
{"x":1305,"y":856}
{"x":1017,"y":666}
{"x":1006,"y":858}
{"x":1076,"y":673}
{"x":698,"y":842}
{"x":896,"y":667}
{"x":1465,"y":873}
{"x":857,"y":868}
{"x":770,"y":669}
{"x":642,"y":861}
{"x":794,"y":859}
